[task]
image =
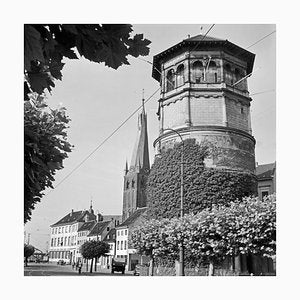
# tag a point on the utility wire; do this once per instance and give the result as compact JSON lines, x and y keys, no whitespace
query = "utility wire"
{"x":262,"y":92}
{"x":210,"y":28}
{"x":103,"y":142}
{"x":134,"y":112}
{"x":261,"y":39}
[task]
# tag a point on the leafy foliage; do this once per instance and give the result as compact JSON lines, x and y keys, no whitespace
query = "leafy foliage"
{"x":243,"y":227}
{"x":46,"y":46}
{"x":94,"y":249}
{"x":28,"y":250}
{"x":203,"y":187}
{"x":45,"y":148}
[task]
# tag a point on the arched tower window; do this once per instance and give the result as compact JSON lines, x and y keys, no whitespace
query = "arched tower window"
{"x":170,"y":80}
{"x":212,"y":75}
{"x":237,"y":77}
{"x":180,"y":75}
{"x":197,"y":72}
{"x":228,"y":74}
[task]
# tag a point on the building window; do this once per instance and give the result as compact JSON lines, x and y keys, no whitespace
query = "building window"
{"x":118,"y":245}
{"x":180,"y":75}
{"x":118,"y":232}
{"x":121,"y":245}
{"x":127,"y":185}
{"x":170,"y":80}
{"x":133,"y":184}
{"x":68,"y":241}
{"x":212,"y":72}
{"x":65,"y":241}
{"x":62,"y":229}
{"x":125,"y":245}
{"x":125,"y":231}
{"x":237,"y":75}
{"x":121,"y":232}
{"x":197,"y":72}
{"x":57,"y":242}
{"x":228,"y":74}
{"x":242,"y":110}
{"x":51,"y":242}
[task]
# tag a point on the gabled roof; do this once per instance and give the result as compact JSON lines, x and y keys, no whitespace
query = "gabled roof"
{"x":265,"y":171}
{"x":111,"y":236}
{"x":74,"y":216}
{"x":201,"y":42}
{"x":132,"y":218}
{"x":99,"y":228}
{"x":87,"y":226}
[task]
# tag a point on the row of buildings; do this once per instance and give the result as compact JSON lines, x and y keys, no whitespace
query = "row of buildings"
{"x":74,"y":229}
{"x":204,"y":95}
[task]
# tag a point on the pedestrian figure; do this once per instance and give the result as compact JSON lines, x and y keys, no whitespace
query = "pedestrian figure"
{"x":77,"y":265}
{"x":73,"y":265}
{"x":79,"y":268}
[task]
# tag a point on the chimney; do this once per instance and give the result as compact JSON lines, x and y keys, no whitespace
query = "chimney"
{"x":71,"y":213}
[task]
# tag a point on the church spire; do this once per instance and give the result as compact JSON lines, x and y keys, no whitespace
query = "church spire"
{"x":140,"y":155}
{"x":143,"y":103}
{"x":126,"y":167}
{"x":91,"y":206}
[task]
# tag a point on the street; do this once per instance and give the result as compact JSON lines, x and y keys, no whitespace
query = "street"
{"x":51,"y":269}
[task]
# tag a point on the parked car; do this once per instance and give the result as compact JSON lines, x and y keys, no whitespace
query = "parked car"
{"x":61,"y":262}
{"x":118,"y":265}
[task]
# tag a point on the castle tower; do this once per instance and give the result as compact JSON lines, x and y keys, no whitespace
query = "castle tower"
{"x":204,"y":95}
{"x":134,"y":194}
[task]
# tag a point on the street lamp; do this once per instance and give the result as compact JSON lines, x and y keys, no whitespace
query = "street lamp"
{"x":181,"y":247}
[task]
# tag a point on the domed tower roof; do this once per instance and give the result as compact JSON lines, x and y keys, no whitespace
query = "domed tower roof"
{"x":205,"y":43}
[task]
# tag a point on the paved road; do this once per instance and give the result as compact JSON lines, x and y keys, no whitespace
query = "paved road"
{"x":51,"y":269}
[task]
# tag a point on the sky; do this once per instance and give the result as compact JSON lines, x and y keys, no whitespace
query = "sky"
{"x":98,"y":99}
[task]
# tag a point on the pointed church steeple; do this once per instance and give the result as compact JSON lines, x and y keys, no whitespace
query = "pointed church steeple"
{"x":140,"y":155}
{"x":126,"y":167}
{"x":91,"y":207}
{"x":134,"y":194}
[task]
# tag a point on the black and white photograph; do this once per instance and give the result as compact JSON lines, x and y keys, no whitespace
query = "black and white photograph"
{"x":148,"y":152}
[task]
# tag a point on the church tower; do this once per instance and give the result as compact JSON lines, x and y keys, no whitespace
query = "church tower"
{"x":204,"y":96}
{"x":134,"y":194}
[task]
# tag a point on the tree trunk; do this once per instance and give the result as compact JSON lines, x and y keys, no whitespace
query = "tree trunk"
{"x":87,"y":265}
{"x":151,"y":266}
{"x":237,"y":264}
{"x":26,"y":261}
{"x":95,"y":264}
{"x":91,"y":269}
{"x":211,"y":269}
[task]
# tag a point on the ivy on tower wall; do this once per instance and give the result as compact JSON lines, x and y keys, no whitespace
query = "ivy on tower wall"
{"x":202,"y":186}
